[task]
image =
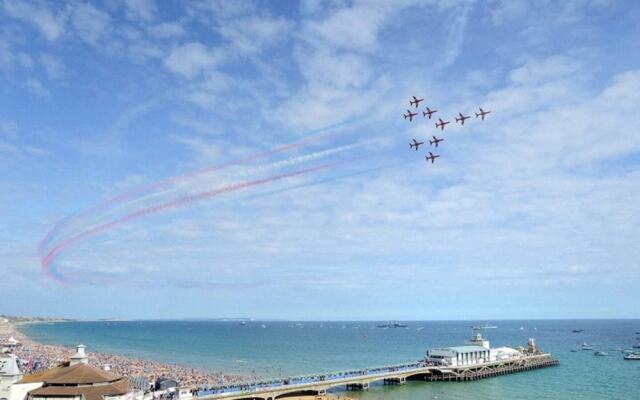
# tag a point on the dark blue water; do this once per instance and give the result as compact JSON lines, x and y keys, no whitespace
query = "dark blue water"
{"x":289,"y":348}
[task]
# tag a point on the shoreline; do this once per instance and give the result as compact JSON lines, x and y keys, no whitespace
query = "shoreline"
{"x":40,"y":356}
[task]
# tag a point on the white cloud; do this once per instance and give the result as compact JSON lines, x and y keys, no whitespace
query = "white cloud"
{"x":254,"y":34}
{"x":353,"y":28}
{"x":8,"y":128}
{"x":167,"y":30}
{"x":205,"y":151}
{"x":50,"y":24}
{"x":89,"y":23}
{"x":455,"y":35}
{"x":53,"y":66}
{"x":35,"y":86}
{"x":142,"y":9}
{"x":191,"y":59}
{"x":10,"y":57}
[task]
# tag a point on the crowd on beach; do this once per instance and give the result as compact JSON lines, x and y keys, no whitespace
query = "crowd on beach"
{"x":36,"y":356}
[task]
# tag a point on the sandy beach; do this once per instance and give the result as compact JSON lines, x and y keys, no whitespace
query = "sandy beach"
{"x":40,"y":356}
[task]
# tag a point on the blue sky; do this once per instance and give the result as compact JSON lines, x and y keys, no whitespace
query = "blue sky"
{"x":532,"y":213}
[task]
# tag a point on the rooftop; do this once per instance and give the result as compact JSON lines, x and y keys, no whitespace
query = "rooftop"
{"x":464,"y":349}
{"x":120,"y":387}
{"x":79,"y":374}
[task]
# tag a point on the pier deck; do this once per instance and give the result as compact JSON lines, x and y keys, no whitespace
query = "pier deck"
{"x":361,"y":379}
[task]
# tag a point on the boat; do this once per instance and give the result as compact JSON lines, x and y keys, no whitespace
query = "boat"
{"x":392,"y":325}
{"x":420,"y":328}
{"x":574,"y":350}
{"x":632,"y":356}
{"x":243,"y":323}
{"x":601,"y":353}
{"x":636,"y":346}
{"x":577,"y":330}
{"x":485,"y":326}
{"x":586,"y":346}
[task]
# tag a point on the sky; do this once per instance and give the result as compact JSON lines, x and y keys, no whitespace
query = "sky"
{"x":205,"y":159}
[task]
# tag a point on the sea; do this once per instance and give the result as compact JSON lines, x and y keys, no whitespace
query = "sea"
{"x":289,"y":348}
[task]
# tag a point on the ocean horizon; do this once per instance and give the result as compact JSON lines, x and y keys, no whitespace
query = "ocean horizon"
{"x":276,"y":348}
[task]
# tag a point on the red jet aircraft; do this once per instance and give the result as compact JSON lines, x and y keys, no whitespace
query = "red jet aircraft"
{"x":440,"y":124}
{"x":431,"y":157}
{"x":415,"y":144}
{"x":462,"y":118}
{"x":482,"y":113}
{"x":410,"y":115}
{"x":435,"y":141}
{"x":429,"y":112}
{"x":415,"y":101}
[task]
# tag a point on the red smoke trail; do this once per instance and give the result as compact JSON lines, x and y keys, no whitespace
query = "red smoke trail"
{"x":163,"y":183}
{"x":46,"y":261}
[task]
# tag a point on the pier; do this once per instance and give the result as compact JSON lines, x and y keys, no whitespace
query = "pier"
{"x":388,"y":375}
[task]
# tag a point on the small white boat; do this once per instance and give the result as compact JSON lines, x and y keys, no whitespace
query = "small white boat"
{"x":600,"y":353}
{"x":632,"y":356}
{"x":586,"y":346}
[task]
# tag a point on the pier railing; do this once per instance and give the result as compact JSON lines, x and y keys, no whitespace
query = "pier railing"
{"x":362,"y":378}
{"x":333,"y":377}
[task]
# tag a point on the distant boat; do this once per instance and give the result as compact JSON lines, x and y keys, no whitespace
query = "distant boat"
{"x":601,"y":353}
{"x":522,"y":328}
{"x":420,"y":328}
{"x":574,"y":350}
{"x":586,"y":346}
{"x":636,"y":346}
{"x":243,"y":323}
{"x":577,"y":330}
{"x":263,"y":326}
{"x":392,"y":325}
{"x":485,"y":326}
{"x":632,"y":356}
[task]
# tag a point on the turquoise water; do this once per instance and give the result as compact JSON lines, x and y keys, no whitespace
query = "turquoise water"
{"x":289,"y":348}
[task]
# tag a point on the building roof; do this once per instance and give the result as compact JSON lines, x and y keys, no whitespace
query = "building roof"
{"x":11,"y":342}
{"x":467,"y":349}
{"x":120,"y":387}
{"x":79,"y":374}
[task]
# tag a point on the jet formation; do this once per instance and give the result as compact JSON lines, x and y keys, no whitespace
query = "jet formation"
{"x":428,"y":113}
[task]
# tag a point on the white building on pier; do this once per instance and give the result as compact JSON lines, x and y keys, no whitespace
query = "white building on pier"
{"x":474,"y":351}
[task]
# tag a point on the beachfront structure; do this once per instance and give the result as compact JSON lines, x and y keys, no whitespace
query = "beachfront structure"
{"x":74,"y":380}
{"x":476,"y":350}
{"x":9,"y":374}
{"x":9,"y":345}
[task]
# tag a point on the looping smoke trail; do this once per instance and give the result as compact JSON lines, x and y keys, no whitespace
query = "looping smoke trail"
{"x":149,"y":187}
{"x":56,"y":250}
